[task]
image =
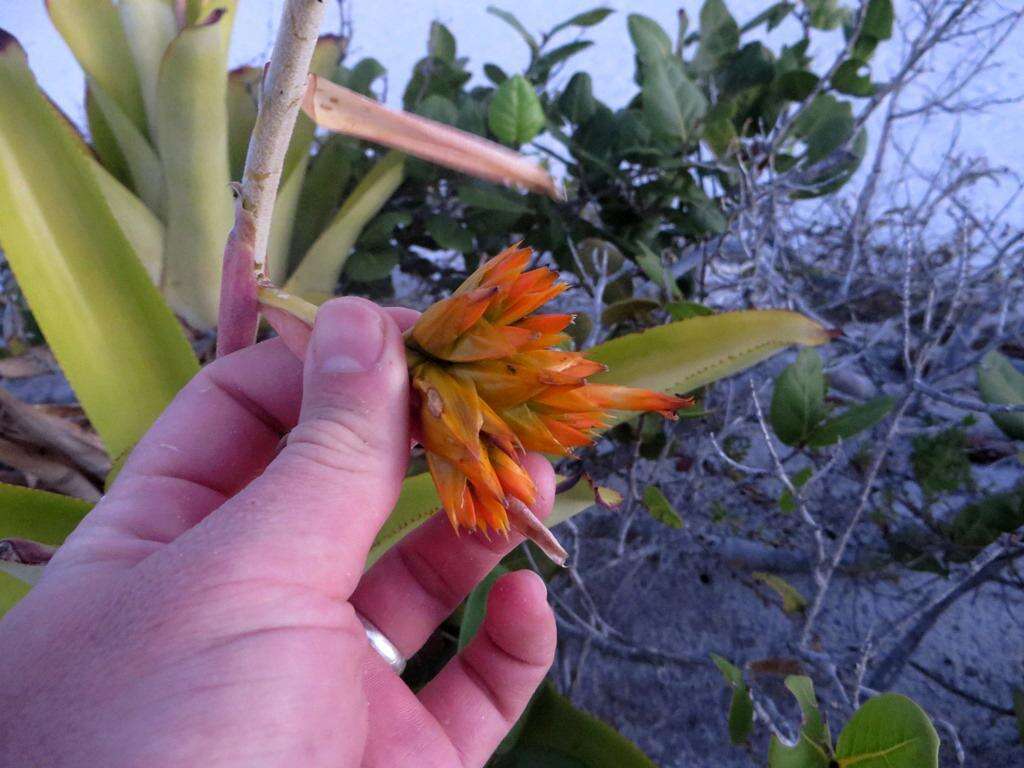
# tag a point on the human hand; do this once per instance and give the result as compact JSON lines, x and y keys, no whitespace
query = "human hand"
{"x":204,"y":613}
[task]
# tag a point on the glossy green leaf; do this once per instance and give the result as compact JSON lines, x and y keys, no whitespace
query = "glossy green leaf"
{"x":685,"y":355}
{"x":651,"y":42}
{"x":512,"y":21}
{"x":787,"y":503}
{"x":1000,"y":383}
{"x":29,"y":513}
{"x":798,"y":402}
{"x":476,"y":606}
{"x":149,"y":26}
{"x":852,"y":421}
{"x":317,"y":273}
{"x":92,"y":29}
{"x":192,"y":138}
{"x":672,"y":104}
{"x":558,"y":735}
{"x":589,"y":18}
{"x":515,"y":115}
{"x":144,"y":169}
{"x":792,"y":600}
{"x":661,"y":508}
{"x":888,"y":731}
{"x":121,"y":348}
{"x":878,"y":19}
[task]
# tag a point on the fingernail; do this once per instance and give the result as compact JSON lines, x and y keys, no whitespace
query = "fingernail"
{"x":348,"y":337}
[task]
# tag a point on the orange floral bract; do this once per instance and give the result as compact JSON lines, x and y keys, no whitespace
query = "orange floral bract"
{"x":491,"y":385}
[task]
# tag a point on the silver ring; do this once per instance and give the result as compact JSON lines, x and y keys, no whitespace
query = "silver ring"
{"x":384,"y":647}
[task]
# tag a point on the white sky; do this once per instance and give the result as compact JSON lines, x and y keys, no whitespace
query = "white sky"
{"x":394,"y":31}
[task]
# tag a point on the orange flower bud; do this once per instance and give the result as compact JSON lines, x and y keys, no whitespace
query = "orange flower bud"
{"x":491,"y":387}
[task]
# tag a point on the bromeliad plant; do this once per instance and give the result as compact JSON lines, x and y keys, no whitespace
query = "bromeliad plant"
{"x":93,"y":261}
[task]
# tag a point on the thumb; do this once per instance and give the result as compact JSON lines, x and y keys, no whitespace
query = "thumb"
{"x":319,"y":504}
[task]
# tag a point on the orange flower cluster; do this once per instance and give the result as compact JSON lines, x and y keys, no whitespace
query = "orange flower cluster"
{"x":492,"y":384}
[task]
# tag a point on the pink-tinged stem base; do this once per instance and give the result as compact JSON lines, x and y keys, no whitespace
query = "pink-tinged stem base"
{"x":239,"y":311}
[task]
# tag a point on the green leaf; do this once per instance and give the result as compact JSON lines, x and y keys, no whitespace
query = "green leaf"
{"x":517,"y":25}
{"x":628,"y":310}
{"x":192,"y":139}
{"x":29,"y":513}
{"x":719,"y":36}
{"x":495,"y":74}
{"x":798,"y":402}
{"x":1001,"y":384}
{"x":558,"y":735}
{"x":476,"y":606}
{"x":826,"y":14}
{"x":685,"y":355}
{"x":854,"y":78}
{"x":651,"y":264}
{"x":441,"y":42}
{"x":652,"y":43}
{"x":577,"y":101}
{"x":814,"y":747}
{"x":362,"y":76}
{"x":540,"y":70}
{"x":438,"y":108}
{"x":672,"y":104}
{"x":590,"y":18}
{"x":149,"y":26}
{"x":741,"y":708}
{"x":515,"y":114}
{"x":888,"y":731}
{"x":797,"y":84}
{"x":323,"y":190}
{"x":661,"y":508}
{"x":317,"y":274}
{"x":492,"y":198}
{"x":243,"y":87}
{"x":940,"y":461}
{"x":144,"y":169}
{"x":792,"y":600}
{"x":979,"y":524}
{"x":449,"y":233}
{"x":122,"y":350}
{"x":144,"y":231}
{"x":92,"y":29}
{"x":684,"y":310}
{"x":773,"y":15}
{"x":368,"y":266}
{"x":878,"y":19}
{"x":11,"y":591}
{"x":786,"y":501}
{"x":852,"y":421}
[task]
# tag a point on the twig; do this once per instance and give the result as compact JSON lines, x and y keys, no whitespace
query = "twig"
{"x":280,"y":97}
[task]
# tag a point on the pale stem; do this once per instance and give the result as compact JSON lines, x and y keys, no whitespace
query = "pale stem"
{"x":280,"y":97}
